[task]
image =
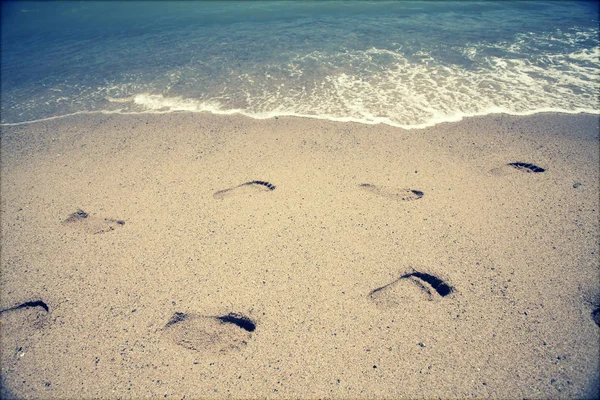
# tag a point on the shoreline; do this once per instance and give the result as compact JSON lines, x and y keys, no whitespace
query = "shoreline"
{"x":384,"y":121}
{"x":315,"y":232}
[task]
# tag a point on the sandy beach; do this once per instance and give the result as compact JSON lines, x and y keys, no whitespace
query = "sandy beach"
{"x":190,"y":255}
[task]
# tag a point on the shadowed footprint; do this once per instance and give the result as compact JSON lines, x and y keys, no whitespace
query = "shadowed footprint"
{"x":32,"y":314}
{"x":591,"y":299}
{"x":402,"y":194}
{"x":525,"y":167}
{"x":596,"y":316}
{"x":36,"y":303}
{"x":94,"y":225}
{"x":520,"y":166}
{"x":248,"y":187}
{"x":441,"y":287}
{"x":414,"y":286}
{"x":22,"y":327}
{"x":209,"y":334}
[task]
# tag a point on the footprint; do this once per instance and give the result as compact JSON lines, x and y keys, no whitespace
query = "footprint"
{"x":35,"y":303}
{"x":94,"y":225}
{"x":393,"y":193}
{"x":441,"y":287}
{"x":21,"y":329}
{"x":253,"y":186}
{"x":596,"y":316}
{"x":525,"y":167}
{"x":34,"y":315}
{"x":399,"y":292}
{"x":239,"y":320}
{"x":592,"y":302}
{"x":410,"y":287}
{"x":209,"y":334}
{"x":520,"y":166}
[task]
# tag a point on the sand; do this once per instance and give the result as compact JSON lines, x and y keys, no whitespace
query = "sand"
{"x":137,"y":232}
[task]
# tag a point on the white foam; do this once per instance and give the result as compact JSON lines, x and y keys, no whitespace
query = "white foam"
{"x":159,"y":103}
{"x":437,"y":118}
{"x":386,"y":86}
{"x":592,"y":55}
{"x":120,"y":100}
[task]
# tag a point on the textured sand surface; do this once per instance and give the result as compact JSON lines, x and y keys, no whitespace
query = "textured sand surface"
{"x":373,"y":261}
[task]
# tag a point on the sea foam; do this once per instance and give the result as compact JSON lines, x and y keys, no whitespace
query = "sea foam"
{"x":409,"y":65}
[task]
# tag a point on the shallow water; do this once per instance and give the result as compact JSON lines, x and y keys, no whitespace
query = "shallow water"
{"x":407,"y":64}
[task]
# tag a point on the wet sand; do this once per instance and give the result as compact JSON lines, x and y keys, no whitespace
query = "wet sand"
{"x":193,"y":255}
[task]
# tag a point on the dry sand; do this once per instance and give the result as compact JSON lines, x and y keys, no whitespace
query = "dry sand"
{"x":161,"y":247}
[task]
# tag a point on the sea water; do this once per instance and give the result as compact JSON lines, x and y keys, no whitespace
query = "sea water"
{"x":403,"y":63}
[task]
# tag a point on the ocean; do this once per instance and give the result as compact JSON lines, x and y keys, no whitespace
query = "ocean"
{"x":409,"y":64}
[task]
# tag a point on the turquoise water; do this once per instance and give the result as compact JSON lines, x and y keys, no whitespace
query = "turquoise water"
{"x":404,"y":63}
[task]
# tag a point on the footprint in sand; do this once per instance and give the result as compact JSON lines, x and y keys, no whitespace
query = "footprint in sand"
{"x":248,"y":187}
{"x":411,"y":287}
{"x":402,"y":194}
{"x":592,"y":303}
{"x":596,"y":315}
{"x":94,"y":225}
{"x":31,"y":314}
{"x":209,"y":334}
{"x":519,"y":166}
{"x":21,"y":328}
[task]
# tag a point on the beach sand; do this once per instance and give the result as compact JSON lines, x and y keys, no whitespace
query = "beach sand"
{"x":363,"y":260}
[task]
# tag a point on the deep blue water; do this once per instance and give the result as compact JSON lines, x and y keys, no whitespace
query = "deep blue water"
{"x":405,"y":63}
